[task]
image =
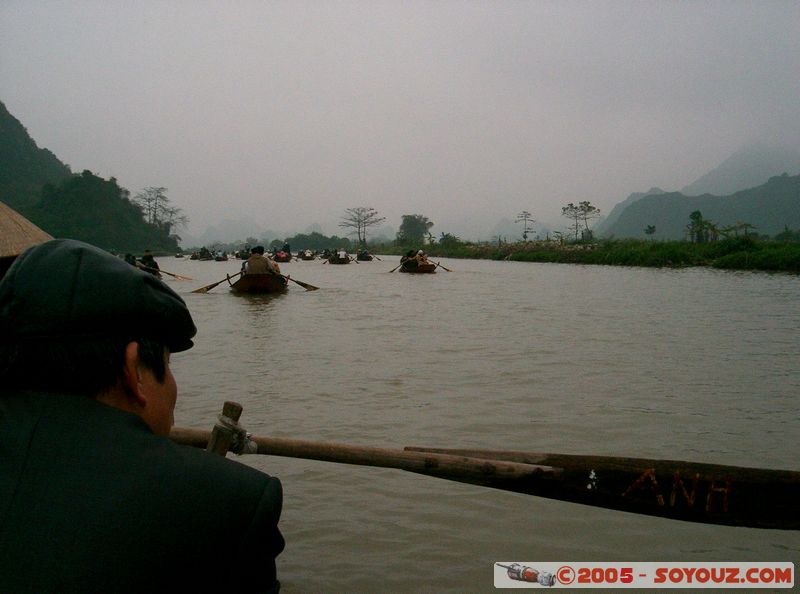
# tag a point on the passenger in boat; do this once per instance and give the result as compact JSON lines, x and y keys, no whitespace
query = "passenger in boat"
{"x":148,"y":264}
{"x":94,"y":496}
{"x":408,"y":261}
{"x":130,"y":259}
{"x":258,"y":263}
{"x":421,"y":258}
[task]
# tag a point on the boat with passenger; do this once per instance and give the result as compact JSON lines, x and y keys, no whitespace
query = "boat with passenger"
{"x":259,"y":283}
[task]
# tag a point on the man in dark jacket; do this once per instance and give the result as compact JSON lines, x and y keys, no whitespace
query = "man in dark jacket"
{"x":94,"y":497}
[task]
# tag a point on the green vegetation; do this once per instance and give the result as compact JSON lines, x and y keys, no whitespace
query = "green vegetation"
{"x":99,"y":212}
{"x":740,"y":253}
{"x":25,"y":167}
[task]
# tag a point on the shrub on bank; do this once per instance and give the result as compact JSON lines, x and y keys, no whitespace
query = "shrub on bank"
{"x":783,"y":257}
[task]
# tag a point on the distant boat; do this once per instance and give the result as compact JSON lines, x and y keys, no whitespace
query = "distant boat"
{"x":282,"y":256}
{"x":306,"y":255}
{"x":342,"y":258}
{"x":258,"y":283}
{"x":364,"y":256}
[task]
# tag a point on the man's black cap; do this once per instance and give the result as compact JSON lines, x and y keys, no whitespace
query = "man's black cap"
{"x":65,"y":289}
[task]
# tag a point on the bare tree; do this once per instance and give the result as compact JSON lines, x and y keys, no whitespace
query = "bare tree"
{"x":360,"y":219}
{"x":157,"y":210}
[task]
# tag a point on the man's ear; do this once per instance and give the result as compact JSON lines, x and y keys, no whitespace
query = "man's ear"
{"x":132,"y":378}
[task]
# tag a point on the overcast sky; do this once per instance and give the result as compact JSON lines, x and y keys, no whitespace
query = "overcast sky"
{"x":287,"y":113}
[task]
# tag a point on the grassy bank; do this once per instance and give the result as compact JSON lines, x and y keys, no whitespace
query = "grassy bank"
{"x":742,"y":253}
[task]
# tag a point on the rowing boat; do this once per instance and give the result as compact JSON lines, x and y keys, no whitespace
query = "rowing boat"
{"x":258,"y":283}
{"x":419,"y":268}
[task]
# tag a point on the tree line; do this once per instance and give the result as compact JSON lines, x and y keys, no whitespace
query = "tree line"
{"x":99,"y":211}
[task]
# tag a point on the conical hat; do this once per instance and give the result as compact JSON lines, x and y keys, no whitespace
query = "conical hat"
{"x":17,"y":233}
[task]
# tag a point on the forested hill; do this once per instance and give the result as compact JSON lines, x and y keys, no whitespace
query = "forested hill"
{"x":24,"y":167}
{"x":771,"y":208}
{"x":613,"y":216}
{"x":79,"y":206}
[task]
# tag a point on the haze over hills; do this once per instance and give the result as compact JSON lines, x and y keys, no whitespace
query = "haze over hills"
{"x":771,"y":208}
{"x":740,"y":189}
{"x":25,"y":169}
{"x":748,"y":167}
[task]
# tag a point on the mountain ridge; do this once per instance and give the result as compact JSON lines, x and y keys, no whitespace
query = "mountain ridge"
{"x":770,"y":208}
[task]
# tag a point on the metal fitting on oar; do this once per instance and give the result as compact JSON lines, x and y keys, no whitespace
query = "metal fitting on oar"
{"x":226,"y":427}
{"x":242,"y":444}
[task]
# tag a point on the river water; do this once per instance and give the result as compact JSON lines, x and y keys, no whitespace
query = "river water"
{"x":692,"y":364}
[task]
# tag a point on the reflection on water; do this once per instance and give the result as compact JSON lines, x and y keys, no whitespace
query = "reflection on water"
{"x":683,"y":364}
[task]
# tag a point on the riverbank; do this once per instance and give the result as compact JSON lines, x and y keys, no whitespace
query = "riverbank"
{"x":742,"y":253}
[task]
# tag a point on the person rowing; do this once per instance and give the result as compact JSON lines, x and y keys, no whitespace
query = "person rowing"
{"x":258,"y":263}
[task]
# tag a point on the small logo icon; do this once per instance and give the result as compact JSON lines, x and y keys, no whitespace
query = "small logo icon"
{"x":523,"y":573}
{"x":565,"y":575}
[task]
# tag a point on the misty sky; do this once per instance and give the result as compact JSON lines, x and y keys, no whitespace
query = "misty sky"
{"x":287,"y":113}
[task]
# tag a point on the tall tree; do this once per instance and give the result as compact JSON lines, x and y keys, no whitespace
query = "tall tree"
{"x":573,"y":213}
{"x":360,"y":219}
{"x":588,"y":212}
{"x":582,"y":213}
{"x":413,"y":230}
{"x":527,"y":221}
{"x":697,"y":228}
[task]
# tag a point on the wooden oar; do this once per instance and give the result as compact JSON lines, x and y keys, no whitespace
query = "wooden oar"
{"x":440,"y":266}
{"x":207,"y":288}
{"x":690,"y":491}
{"x":306,"y":286}
{"x":396,"y":267}
{"x":178,"y":276}
{"x":705,"y":493}
{"x":457,"y":468}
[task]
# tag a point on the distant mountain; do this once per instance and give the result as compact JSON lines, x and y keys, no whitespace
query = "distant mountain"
{"x":226,"y":231}
{"x":24,"y":167}
{"x":602,"y":227}
{"x":233,"y":230}
{"x":770,"y":207}
{"x":79,"y":206}
{"x":747,"y":168}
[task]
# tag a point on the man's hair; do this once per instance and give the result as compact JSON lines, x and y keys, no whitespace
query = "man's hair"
{"x":87,"y":367}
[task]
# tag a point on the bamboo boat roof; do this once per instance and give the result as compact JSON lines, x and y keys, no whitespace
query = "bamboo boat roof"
{"x":17,"y":233}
